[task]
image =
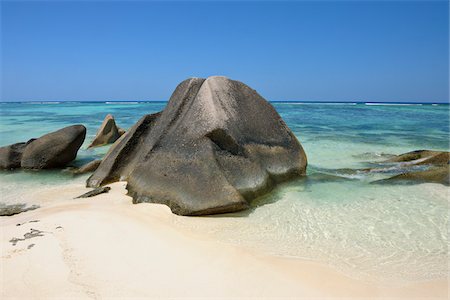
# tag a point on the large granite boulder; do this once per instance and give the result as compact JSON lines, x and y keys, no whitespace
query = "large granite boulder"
{"x":108,"y":132}
{"x":217,"y":145}
{"x":55,"y":149}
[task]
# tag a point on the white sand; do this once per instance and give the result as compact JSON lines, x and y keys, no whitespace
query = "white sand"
{"x":105,"y":247}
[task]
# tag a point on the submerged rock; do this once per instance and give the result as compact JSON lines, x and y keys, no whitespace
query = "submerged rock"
{"x":437,"y":161}
{"x":86,"y":168}
{"x":423,"y":157}
{"x":95,"y":192}
{"x":433,"y":175}
{"x":217,"y":145}
{"x":55,"y":149}
{"x":14,"y":209}
{"x":108,"y":132}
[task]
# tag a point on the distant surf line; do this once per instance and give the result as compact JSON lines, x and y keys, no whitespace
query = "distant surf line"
{"x":290,"y":102}
{"x":394,"y":104}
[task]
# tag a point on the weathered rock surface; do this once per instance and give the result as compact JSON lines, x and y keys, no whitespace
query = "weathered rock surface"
{"x":87,"y":168}
{"x":108,"y":132}
{"x":54,"y":150}
{"x":95,"y":192}
{"x":217,"y":145}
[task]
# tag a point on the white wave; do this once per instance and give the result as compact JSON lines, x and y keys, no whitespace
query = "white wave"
{"x":393,"y":104}
{"x":121,"y":102}
{"x":43,"y":102}
{"x":317,"y":103}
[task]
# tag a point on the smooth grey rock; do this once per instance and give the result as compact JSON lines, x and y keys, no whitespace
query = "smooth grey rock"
{"x":216,"y":146}
{"x":108,"y":132}
{"x":54,"y":150}
{"x":95,"y":192}
{"x":14,"y":209}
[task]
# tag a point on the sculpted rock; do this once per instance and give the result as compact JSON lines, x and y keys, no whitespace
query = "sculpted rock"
{"x":108,"y":133}
{"x":54,"y":150}
{"x":217,"y":145}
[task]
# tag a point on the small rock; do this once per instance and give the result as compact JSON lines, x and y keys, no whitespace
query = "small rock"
{"x":86,"y":168}
{"x":95,"y":192}
{"x":433,"y":175}
{"x":108,"y":132}
{"x":14,"y":209}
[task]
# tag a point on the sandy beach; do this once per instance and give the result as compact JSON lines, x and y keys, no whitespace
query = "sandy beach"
{"x":106,"y":247}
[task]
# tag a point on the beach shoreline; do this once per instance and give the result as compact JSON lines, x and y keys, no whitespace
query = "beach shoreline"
{"x":105,"y":247}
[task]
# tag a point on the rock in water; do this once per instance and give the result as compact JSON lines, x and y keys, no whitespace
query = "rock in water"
{"x":108,"y":132}
{"x":54,"y":150}
{"x":217,"y":145}
{"x":10,"y":156}
{"x":423,"y":157}
{"x":438,"y":161}
{"x":439,"y":174}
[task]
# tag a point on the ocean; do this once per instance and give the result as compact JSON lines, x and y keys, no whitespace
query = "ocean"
{"x":393,"y":233}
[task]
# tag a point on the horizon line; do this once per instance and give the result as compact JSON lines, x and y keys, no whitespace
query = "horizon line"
{"x":164,"y":101}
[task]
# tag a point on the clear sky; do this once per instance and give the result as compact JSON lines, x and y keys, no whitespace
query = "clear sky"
{"x":297,"y":50}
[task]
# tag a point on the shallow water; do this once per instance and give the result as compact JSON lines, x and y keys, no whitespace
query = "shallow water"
{"x":393,"y":233}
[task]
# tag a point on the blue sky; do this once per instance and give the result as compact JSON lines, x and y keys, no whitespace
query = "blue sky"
{"x":297,"y":50}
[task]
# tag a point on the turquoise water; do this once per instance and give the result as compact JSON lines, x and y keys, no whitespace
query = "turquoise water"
{"x":394,"y":233}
